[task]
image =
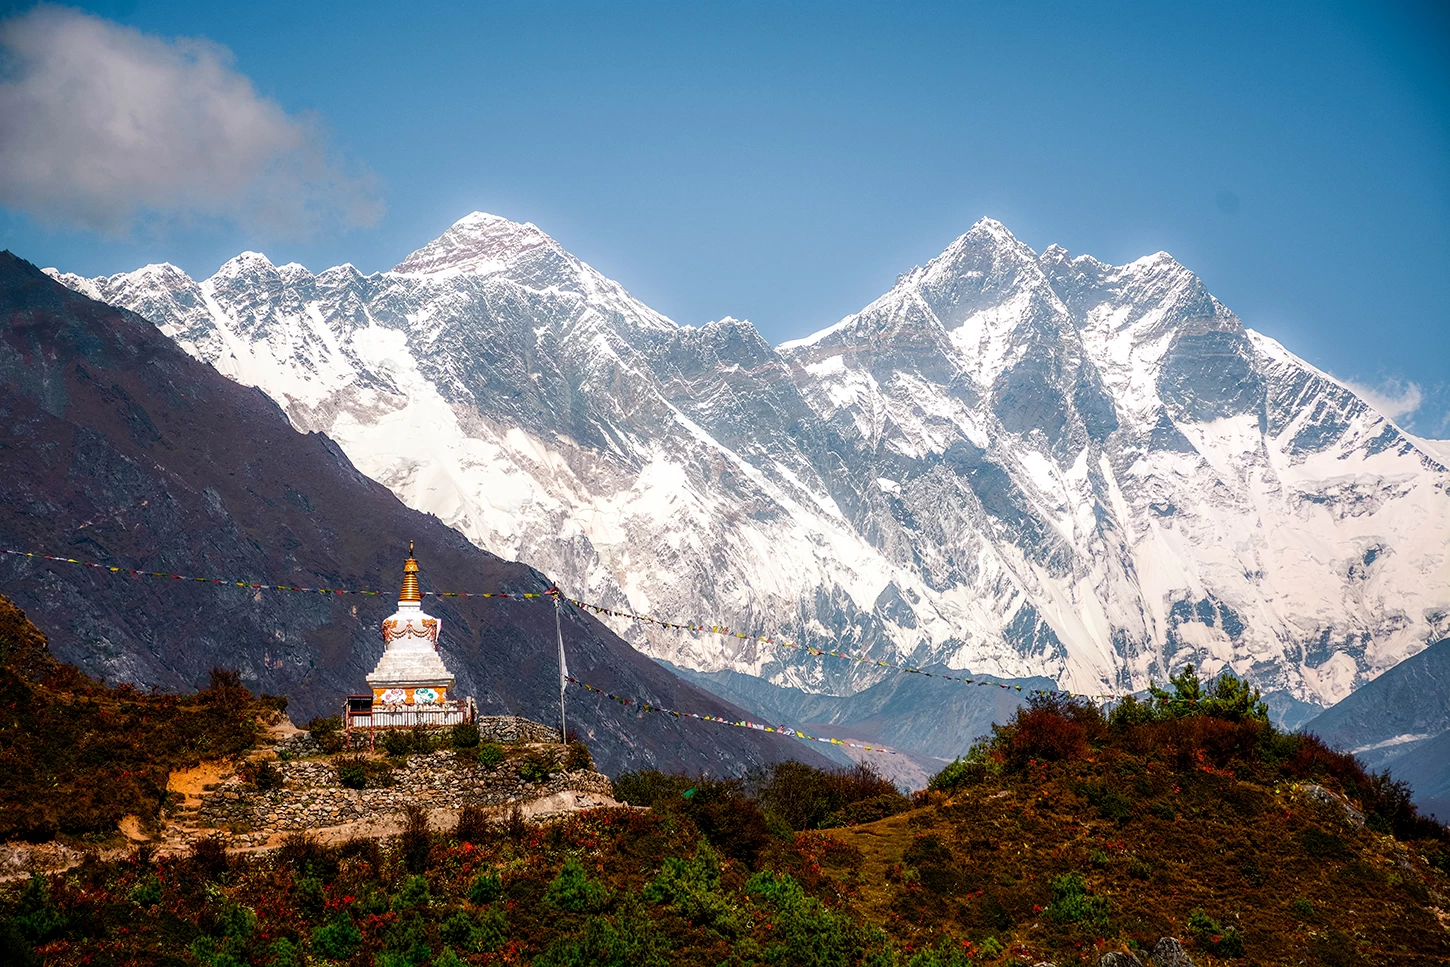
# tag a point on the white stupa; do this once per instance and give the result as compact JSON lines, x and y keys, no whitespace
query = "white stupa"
{"x":411,"y":674}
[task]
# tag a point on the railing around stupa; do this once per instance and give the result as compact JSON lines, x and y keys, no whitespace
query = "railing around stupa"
{"x":363,"y":714}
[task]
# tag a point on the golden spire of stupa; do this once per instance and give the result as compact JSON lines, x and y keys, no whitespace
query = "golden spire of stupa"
{"x":410,"y":590}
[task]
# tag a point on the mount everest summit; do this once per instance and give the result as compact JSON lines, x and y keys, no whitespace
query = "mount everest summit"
{"x":1014,"y":463}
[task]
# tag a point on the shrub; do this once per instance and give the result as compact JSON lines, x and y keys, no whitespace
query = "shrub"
{"x":472,"y":825}
{"x":693,"y":888}
{"x":406,"y":942}
{"x":486,"y":887}
{"x":1111,"y":803}
{"x":284,"y":953}
{"x":209,"y":856}
{"x":352,"y":773}
{"x":492,"y":931}
{"x":539,"y":766}
{"x":447,"y":958}
{"x":459,"y":930}
{"x":978,"y":765}
{"x":263,"y":776}
{"x":1302,"y":908}
{"x":337,"y":939}
{"x":416,"y":842}
{"x":37,"y":918}
{"x":577,"y":757}
{"x":629,"y":940}
{"x":398,"y":743}
{"x":147,"y":891}
{"x":413,"y":893}
{"x":730,"y":820}
{"x":803,"y":931}
{"x":490,"y":754}
{"x":808,"y":798}
{"x":1217,"y":940}
{"x":1072,"y":903}
{"x":572,"y":889}
{"x":326,"y":731}
{"x":649,"y":787}
{"x":464,"y":736}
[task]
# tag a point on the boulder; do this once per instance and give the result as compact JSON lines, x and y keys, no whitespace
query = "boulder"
{"x":1119,"y":958}
{"x":1168,"y":952}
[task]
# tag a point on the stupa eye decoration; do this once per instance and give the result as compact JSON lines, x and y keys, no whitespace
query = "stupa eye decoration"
{"x":410,"y":685}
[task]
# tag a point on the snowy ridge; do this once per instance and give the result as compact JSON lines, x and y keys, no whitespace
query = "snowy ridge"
{"x":1016,"y":463}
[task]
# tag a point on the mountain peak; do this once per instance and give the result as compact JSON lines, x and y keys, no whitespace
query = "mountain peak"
{"x":479,"y":243}
{"x":246,"y":262}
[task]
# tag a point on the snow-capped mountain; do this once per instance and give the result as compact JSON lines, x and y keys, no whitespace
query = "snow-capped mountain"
{"x":1016,"y":463}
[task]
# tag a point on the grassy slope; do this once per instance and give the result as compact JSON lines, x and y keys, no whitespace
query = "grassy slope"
{"x":1123,"y":836}
{"x":77,"y":756}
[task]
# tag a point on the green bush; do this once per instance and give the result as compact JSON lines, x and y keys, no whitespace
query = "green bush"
{"x":398,"y":743}
{"x":413,"y":893}
{"x":447,"y":958}
{"x":649,"y":787}
{"x":628,"y":940}
{"x":486,"y":887}
{"x":1302,"y":908}
{"x":804,"y":931}
{"x":464,"y":736}
{"x":37,"y":918}
{"x":1072,"y":903}
{"x":352,"y":773}
{"x":693,"y":888}
{"x":147,"y":891}
{"x":978,"y":766}
{"x":337,"y":939}
{"x":1111,"y":803}
{"x":284,"y":953}
{"x":1217,"y":940}
{"x":572,"y":890}
{"x":492,"y":931}
{"x":263,"y":776}
{"x":577,"y":757}
{"x":490,"y":754}
{"x":406,"y":942}
{"x":539,"y":766}
{"x":326,"y":731}
{"x":808,"y":798}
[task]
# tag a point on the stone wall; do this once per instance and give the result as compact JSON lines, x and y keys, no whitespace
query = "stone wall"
{"x":311,"y":796}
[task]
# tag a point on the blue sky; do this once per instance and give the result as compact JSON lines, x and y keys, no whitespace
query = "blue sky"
{"x":784,"y":162}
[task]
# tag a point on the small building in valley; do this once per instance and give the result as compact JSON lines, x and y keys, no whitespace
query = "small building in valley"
{"x":411,"y":686}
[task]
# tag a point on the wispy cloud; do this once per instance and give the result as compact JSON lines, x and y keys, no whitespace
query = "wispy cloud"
{"x":103,"y":126}
{"x":1393,"y":398}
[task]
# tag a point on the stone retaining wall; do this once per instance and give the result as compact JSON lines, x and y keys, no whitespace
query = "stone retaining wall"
{"x":311,"y":796}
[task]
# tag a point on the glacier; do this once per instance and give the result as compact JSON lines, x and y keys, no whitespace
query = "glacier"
{"x":1015,"y":463}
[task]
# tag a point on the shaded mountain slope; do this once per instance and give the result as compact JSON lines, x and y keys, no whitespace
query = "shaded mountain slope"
{"x":120,"y":448}
{"x":1385,"y":718}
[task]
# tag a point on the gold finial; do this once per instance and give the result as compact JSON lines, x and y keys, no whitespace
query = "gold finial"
{"x":410,"y":590}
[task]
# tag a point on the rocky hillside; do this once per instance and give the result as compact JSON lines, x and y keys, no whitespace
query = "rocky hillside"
{"x":1175,"y":834}
{"x":1015,"y":462}
{"x":121,"y":449}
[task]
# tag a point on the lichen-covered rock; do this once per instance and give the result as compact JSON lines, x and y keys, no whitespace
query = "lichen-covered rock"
{"x":1168,"y":952}
{"x":1119,"y":958}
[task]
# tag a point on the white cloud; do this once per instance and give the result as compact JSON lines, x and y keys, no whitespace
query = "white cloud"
{"x":102,"y":126}
{"x":1393,"y":398}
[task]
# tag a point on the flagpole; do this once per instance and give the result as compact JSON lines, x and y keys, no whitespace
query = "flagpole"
{"x":563,"y":671}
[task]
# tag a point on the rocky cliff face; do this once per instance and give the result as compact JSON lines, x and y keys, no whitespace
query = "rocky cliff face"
{"x":1018,"y":463}
{"x":120,"y":448}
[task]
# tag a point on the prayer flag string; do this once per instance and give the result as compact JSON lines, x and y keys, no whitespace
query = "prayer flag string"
{"x":787,"y":730}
